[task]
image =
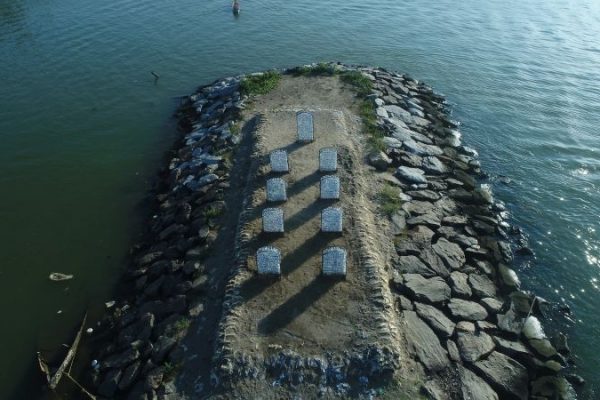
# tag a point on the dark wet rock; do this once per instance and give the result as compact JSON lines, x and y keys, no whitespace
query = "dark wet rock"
{"x":150,"y":257}
{"x":412,"y":175}
{"x":467,"y":180}
{"x":436,"y":319}
{"x":506,"y":374}
{"x":483,"y":227}
{"x":561,"y":345}
{"x":450,"y":253}
{"x":474,"y":346}
{"x":122,"y":359}
{"x":145,"y":326}
{"x":575,"y":379}
{"x":424,"y":344}
{"x":473,"y":387}
{"x":543,"y":347}
{"x":522,"y":302}
{"x":380,"y":160}
{"x":129,"y":376}
{"x":460,"y":287}
{"x":482,"y":285}
{"x":468,"y":310}
{"x":109,"y":385}
{"x":511,"y":348}
{"x":553,"y":387}
{"x":154,"y":378}
{"x":412,"y":265}
{"x":524,"y":251}
{"x":461,"y":195}
{"x":163,"y":346}
{"x":505,"y":251}
{"x":433,"y":290}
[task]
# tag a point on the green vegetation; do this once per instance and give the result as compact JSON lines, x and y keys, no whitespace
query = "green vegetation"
{"x":235,"y":129}
{"x":374,"y":133}
{"x":170,"y":370}
{"x":389,"y":198}
{"x":321,"y":69}
{"x":181,"y":325}
{"x":213,"y":212}
{"x":260,"y":84}
{"x":361,"y":83}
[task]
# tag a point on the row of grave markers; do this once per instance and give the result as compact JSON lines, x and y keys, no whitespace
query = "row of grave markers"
{"x":268,"y":258}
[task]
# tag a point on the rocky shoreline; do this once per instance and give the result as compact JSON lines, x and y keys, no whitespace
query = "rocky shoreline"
{"x":461,"y":311}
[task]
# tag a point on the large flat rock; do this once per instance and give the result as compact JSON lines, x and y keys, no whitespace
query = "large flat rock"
{"x":436,"y":319}
{"x":473,"y":387}
{"x":432,"y":290}
{"x":506,"y":374}
{"x":424,"y":344}
{"x":450,"y":253}
{"x":474,"y":346}
{"x":467,"y":310}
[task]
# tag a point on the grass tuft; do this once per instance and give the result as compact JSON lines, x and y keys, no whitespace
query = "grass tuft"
{"x":389,"y":198}
{"x":321,"y":69}
{"x":181,"y":325}
{"x":361,"y":83}
{"x":260,"y":84}
{"x":374,"y":133}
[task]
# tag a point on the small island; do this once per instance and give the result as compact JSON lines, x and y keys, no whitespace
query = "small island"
{"x":322,"y":232}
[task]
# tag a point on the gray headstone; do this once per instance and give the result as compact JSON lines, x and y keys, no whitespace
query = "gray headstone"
{"x":334,"y":261}
{"x":279,"y":161}
{"x":328,"y":159}
{"x":276,"y":190}
{"x":305,"y":127}
{"x":268,"y":260}
{"x":330,"y":187}
{"x":331,"y":219}
{"x":272,"y":219}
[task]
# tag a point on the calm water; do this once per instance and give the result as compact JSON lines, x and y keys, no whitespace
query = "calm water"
{"x":83,"y":128}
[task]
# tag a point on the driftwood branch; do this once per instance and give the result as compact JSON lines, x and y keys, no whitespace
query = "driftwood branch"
{"x":54,"y":380}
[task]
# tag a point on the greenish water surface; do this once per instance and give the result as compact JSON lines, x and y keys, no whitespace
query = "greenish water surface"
{"x":83,"y":127}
